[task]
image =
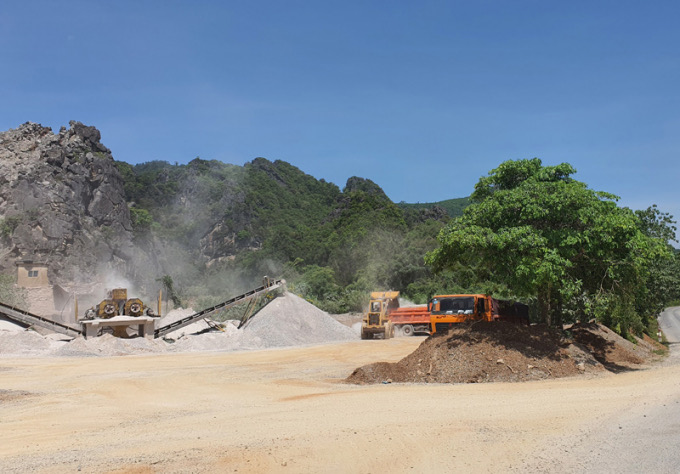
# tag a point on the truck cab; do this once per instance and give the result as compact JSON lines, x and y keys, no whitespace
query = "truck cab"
{"x":448,"y":310}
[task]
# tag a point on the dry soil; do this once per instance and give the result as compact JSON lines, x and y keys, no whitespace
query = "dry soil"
{"x":287,"y":410}
{"x":292,"y":410}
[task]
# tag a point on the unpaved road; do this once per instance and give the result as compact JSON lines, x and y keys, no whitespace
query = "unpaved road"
{"x":286,"y":411}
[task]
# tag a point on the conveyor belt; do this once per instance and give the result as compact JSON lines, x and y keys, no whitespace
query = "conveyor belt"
{"x":269,"y":285}
{"x":30,"y":319}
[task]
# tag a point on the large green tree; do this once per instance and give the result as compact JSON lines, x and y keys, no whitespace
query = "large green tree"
{"x":549,"y":238}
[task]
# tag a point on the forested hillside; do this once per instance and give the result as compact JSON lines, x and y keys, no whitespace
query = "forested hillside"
{"x":453,"y":207}
{"x":215,"y":224}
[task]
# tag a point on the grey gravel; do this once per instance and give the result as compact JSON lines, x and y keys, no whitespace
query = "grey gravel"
{"x":285,"y":322}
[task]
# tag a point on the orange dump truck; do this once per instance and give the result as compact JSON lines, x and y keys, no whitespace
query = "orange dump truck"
{"x":441,"y":313}
{"x":448,"y":310}
{"x":410,"y":320}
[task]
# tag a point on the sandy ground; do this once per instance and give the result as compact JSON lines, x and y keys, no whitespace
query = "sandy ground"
{"x":285,"y":410}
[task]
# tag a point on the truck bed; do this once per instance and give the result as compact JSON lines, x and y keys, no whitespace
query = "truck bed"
{"x":410,"y":315}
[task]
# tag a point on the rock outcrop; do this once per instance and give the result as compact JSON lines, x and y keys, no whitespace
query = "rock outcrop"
{"x":62,"y":200}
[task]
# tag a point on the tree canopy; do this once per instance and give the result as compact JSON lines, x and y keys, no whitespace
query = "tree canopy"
{"x":549,"y":238}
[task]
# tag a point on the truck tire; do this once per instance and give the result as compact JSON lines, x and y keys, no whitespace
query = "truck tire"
{"x":407,"y":330}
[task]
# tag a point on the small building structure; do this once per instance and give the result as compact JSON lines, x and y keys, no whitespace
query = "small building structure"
{"x":32,"y":274}
{"x":32,"y":278}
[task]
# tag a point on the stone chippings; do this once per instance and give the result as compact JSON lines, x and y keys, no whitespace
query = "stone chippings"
{"x":292,"y":321}
{"x":287,"y":321}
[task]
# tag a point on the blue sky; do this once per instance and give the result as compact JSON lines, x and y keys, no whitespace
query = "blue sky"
{"x":422,"y":97}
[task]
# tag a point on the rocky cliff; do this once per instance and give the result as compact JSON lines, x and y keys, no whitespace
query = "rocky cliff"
{"x":62,"y":202}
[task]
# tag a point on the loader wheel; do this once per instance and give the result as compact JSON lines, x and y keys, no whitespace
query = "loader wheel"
{"x":407,"y":330}
{"x":389,"y":331}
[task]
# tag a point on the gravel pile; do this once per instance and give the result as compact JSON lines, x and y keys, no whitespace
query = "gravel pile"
{"x":176,"y":315}
{"x":109,"y":345}
{"x":227,"y":339}
{"x":7,"y":325}
{"x":292,"y":321}
{"x":287,"y":321}
{"x":28,"y":343}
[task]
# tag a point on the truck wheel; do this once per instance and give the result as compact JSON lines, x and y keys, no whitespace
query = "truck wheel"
{"x":407,"y":330}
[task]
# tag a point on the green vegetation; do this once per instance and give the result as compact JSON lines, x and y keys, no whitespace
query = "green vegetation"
{"x":544,"y":237}
{"x":453,"y":207}
{"x":141,"y":219}
{"x":169,"y":287}
{"x":8,"y":225}
{"x":528,"y":232}
{"x":9,"y":293}
{"x":271,"y":218}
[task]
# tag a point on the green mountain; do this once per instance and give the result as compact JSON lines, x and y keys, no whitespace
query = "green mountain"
{"x":219,"y":223}
{"x":453,"y":207}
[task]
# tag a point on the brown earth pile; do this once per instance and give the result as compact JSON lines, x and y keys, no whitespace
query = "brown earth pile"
{"x":506,"y":352}
{"x":614,"y":352}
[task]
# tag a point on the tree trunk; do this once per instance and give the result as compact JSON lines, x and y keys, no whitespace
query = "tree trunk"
{"x":544,"y":309}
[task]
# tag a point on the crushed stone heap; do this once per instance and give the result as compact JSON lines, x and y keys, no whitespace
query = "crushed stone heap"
{"x":286,"y":321}
{"x":292,"y":321}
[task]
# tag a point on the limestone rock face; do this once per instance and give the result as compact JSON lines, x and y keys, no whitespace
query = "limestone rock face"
{"x":62,"y":201}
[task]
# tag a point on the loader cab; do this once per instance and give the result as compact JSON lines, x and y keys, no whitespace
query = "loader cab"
{"x":376,"y":319}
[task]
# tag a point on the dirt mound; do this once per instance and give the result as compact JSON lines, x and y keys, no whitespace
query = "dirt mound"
{"x":615,"y":353}
{"x":485,"y":352}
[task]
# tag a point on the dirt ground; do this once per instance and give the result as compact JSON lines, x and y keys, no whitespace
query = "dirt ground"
{"x":289,"y":410}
